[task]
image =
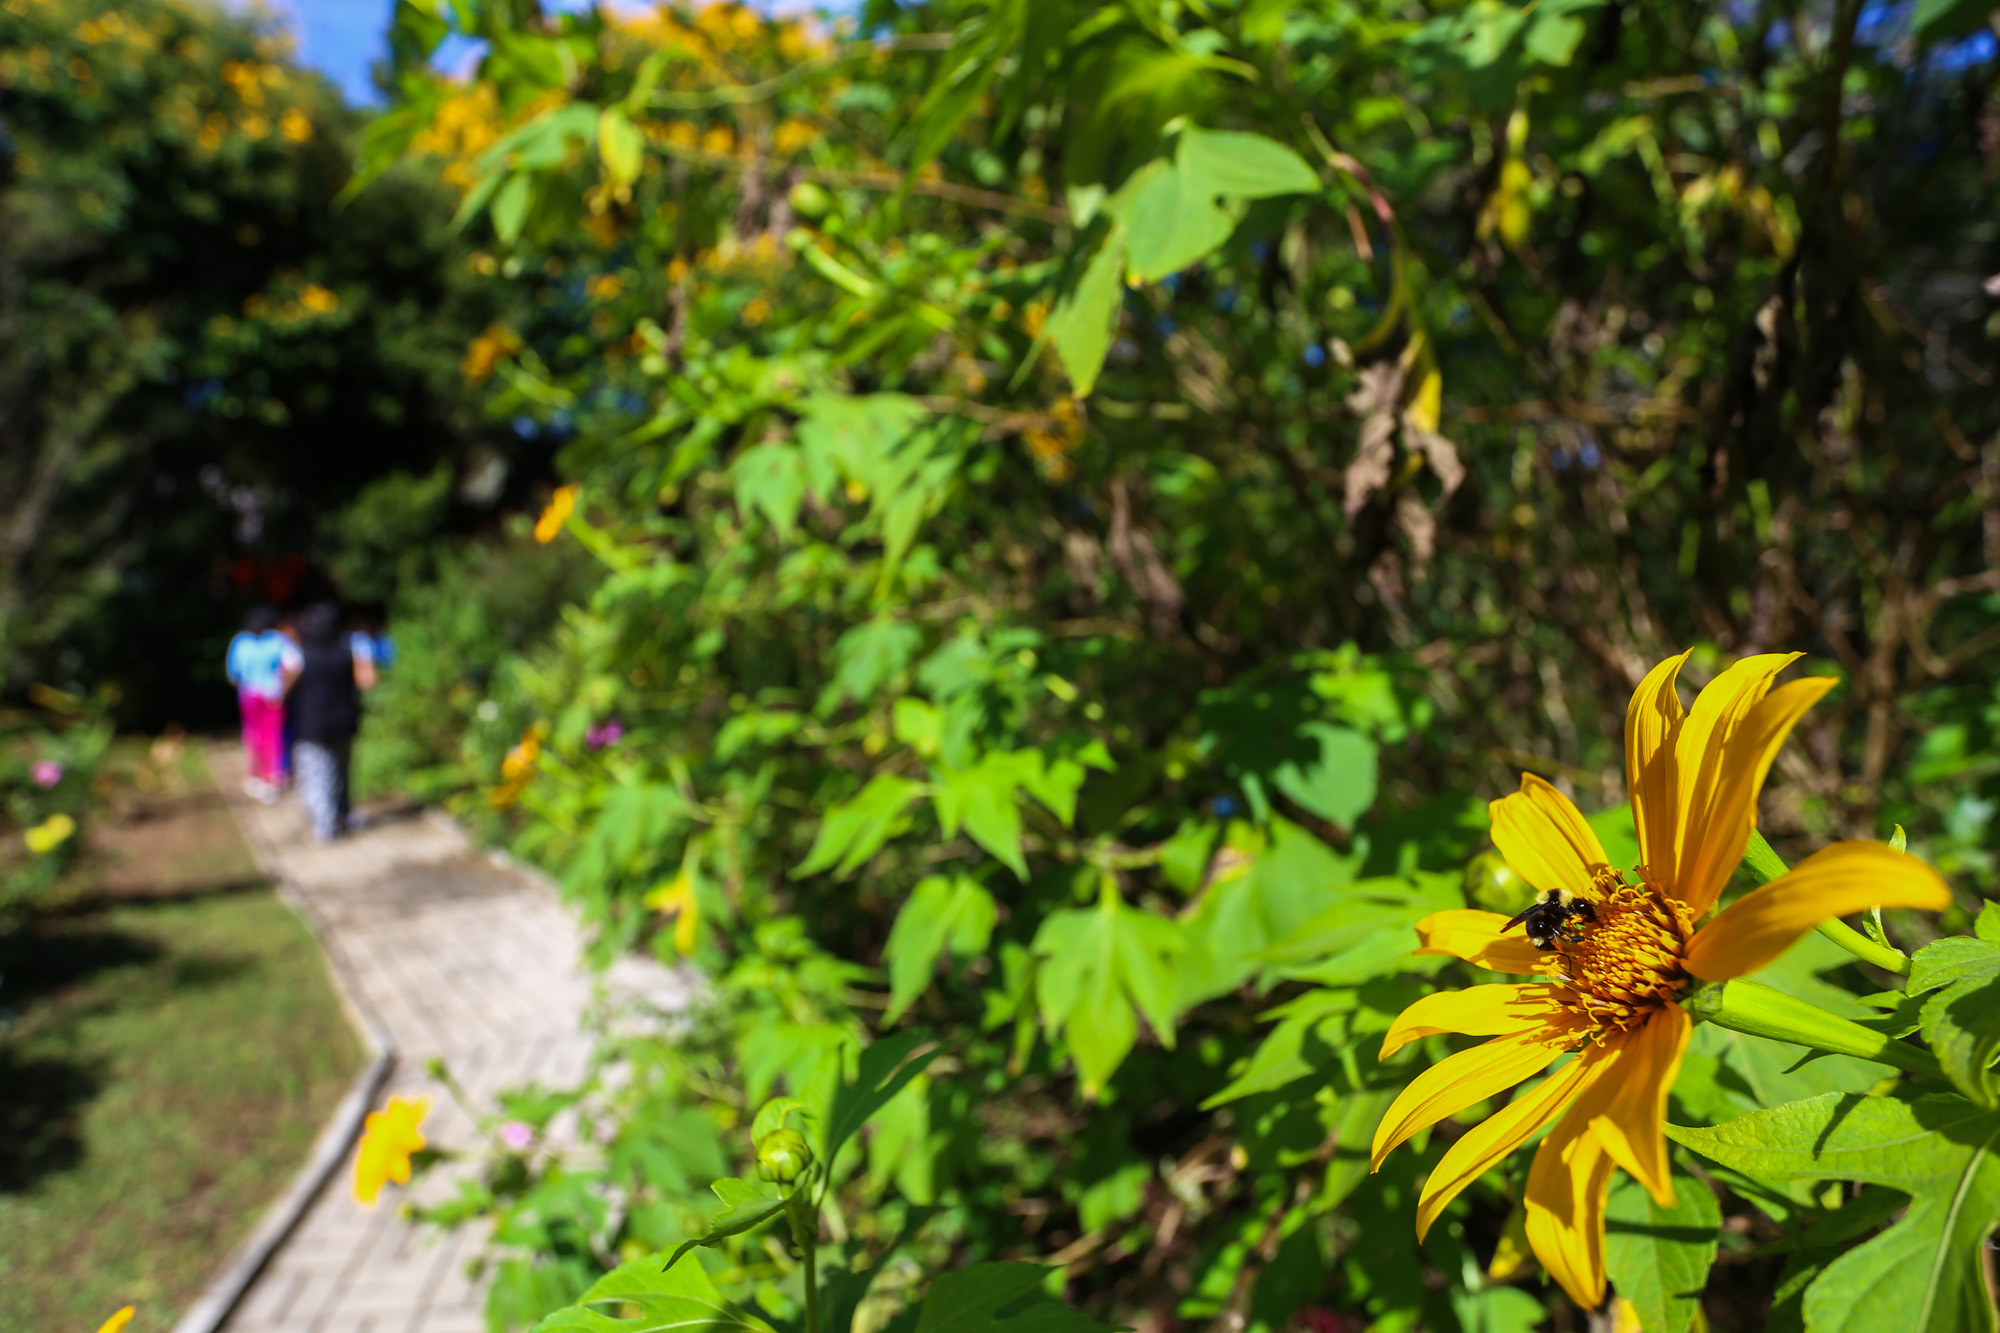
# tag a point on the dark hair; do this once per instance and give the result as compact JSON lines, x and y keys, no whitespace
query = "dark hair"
{"x":261,"y":620}
{"x":320,"y":623}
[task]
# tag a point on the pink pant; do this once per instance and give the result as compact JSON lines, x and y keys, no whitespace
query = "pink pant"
{"x":263,"y":735}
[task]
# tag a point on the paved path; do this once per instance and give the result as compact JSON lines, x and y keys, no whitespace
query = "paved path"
{"x":449,"y":955}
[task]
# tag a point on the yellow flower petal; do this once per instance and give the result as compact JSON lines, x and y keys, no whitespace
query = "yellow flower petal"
{"x":1652,"y":724}
{"x":1834,"y":881}
{"x":1545,"y":839}
{"x":388,"y":1139}
{"x":1476,"y":1011}
{"x":1480,"y":1147}
{"x":1722,"y":806}
{"x":1626,"y":1112}
{"x":1699,"y":750}
{"x":1565,"y":1200}
{"x":561,"y":505}
{"x":1463,"y":1080}
{"x":119,"y":1320}
{"x":1477,"y":938}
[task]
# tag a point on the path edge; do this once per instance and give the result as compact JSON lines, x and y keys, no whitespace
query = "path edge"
{"x":222,"y":1295}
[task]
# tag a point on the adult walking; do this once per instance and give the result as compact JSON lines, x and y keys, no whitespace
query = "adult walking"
{"x":325,"y":711}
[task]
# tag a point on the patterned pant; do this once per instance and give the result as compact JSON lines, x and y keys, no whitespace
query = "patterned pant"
{"x":323,"y":785}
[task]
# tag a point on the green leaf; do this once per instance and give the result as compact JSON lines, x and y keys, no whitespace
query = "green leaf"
{"x":1171,"y":220}
{"x":1002,"y":1297}
{"x":775,"y":1114}
{"x":745,"y":1206}
{"x":1962,"y":1025}
{"x":1085,"y":319}
{"x":1952,"y":959}
{"x":955,"y":914}
{"x":1245,"y":166}
{"x":883,"y":1070}
{"x":1338,"y":783}
{"x":1658,"y":1258}
{"x":1936,"y":20}
{"x":981,"y":799}
{"x":866,"y":657}
{"x":644,"y":1297}
{"x":620,"y":146}
{"x":510,"y":207}
{"x":1099,"y":966}
{"x":1929,"y":1266}
{"x":771,"y":479}
{"x":855,"y":830}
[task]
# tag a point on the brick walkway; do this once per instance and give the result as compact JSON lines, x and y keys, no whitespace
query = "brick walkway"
{"x":447,"y":955}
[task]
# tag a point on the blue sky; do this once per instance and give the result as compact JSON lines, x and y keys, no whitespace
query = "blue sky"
{"x":339,"y":38}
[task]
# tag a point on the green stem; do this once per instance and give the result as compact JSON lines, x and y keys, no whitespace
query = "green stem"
{"x":804,"y":1218}
{"x":1766,"y":865}
{"x":1745,"y":1006}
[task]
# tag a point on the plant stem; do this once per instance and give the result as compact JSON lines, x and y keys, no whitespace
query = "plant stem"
{"x":1745,"y":1006}
{"x":1767,"y":865}
{"x":804,"y":1218}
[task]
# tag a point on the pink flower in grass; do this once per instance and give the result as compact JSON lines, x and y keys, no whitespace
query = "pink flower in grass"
{"x":603,"y":737}
{"x":46,"y":772}
{"x":517,"y":1135}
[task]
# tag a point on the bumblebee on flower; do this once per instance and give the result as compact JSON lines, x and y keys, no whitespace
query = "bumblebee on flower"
{"x":1616,"y":949}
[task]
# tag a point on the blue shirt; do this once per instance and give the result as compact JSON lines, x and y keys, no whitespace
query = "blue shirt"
{"x":257,"y":662}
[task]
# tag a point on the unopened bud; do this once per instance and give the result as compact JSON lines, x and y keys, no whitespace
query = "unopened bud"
{"x":783,"y":1156}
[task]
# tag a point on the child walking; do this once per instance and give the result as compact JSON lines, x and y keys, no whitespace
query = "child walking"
{"x":262,"y":664}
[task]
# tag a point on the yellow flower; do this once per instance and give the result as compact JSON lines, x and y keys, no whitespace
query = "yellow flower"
{"x":677,"y":899}
{"x":561,"y":505}
{"x":388,"y":1140}
{"x":50,"y":834}
{"x":1610,"y":993}
{"x":119,"y":1320}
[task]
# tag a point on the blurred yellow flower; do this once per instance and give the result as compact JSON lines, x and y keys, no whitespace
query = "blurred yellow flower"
{"x":756,"y":311}
{"x":677,"y":899}
{"x":489,"y":349}
{"x":50,"y":834}
{"x":119,"y":1320}
{"x":561,"y":505}
{"x":793,"y":135}
{"x":719,"y":139}
{"x":295,"y":125}
{"x":391,"y":1135}
{"x":605,"y":287}
{"x":318,"y":299}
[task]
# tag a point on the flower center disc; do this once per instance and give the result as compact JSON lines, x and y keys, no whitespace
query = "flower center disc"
{"x":1627,"y":962}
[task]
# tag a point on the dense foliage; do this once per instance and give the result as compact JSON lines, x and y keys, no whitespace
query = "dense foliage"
{"x":201,"y":359}
{"x":1087,"y":500}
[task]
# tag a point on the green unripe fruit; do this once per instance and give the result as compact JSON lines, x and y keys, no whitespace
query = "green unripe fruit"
{"x":1491,"y":884}
{"x":783,"y":1156}
{"x":809,"y":200}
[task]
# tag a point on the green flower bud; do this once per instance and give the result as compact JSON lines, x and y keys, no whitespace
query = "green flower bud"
{"x":809,"y":200}
{"x":1492,"y":885}
{"x":783,"y":1156}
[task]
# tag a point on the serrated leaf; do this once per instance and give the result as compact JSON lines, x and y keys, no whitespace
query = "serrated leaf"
{"x":1085,"y":319}
{"x":648,"y":1297}
{"x":883,"y":1070}
{"x":981,"y":800}
{"x":1101,"y":967}
{"x":1961,"y":1023}
{"x":1954,"y":958}
{"x":1337,"y":780}
{"x":1929,"y":1266}
{"x":771,"y":480}
{"x":866,"y":657}
{"x":956,"y":914}
{"x":853,"y":831}
{"x":1244,"y":166}
{"x":1001,"y":1297}
{"x":745,"y":1206}
{"x":1658,"y":1258}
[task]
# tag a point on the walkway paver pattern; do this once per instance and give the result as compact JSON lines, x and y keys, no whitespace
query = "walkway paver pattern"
{"x":452,"y":956}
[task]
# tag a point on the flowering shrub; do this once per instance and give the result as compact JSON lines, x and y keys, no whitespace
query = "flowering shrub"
{"x":1079,"y":495}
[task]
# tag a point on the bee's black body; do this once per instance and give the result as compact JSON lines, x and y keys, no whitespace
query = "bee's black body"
{"x":1548,"y":918}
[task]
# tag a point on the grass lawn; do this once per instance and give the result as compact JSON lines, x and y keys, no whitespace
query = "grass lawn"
{"x":171,"y":1046}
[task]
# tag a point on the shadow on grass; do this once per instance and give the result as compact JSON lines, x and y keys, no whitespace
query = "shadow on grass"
{"x":41,"y":1105}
